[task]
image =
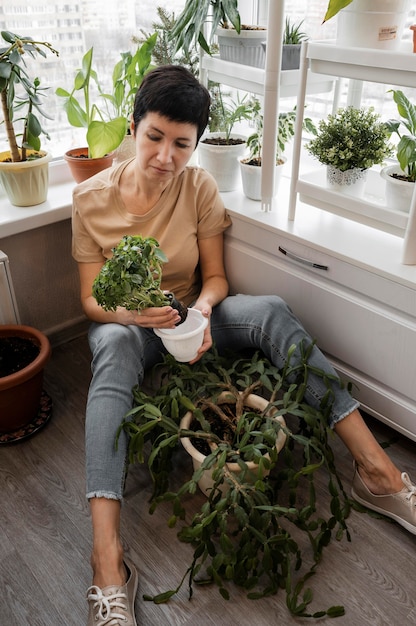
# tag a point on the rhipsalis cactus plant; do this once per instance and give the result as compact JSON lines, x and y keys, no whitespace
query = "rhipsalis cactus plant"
{"x":251,"y":533}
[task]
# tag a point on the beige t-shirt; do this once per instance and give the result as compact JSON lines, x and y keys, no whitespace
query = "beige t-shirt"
{"x":190,"y":209}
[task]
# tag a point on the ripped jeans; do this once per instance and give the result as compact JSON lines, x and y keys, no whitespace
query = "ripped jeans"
{"x":121,"y":354}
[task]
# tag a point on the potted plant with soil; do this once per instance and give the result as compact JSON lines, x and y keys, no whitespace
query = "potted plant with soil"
{"x":24,"y":168}
{"x":401,"y":177}
{"x":250,"y":166}
{"x":219,"y":149}
{"x":24,"y":406}
{"x":248,"y":529}
{"x":104,"y":133}
{"x":293,"y":37}
{"x":239,"y":43}
{"x":132,"y":277}
{"x":349,"y":143}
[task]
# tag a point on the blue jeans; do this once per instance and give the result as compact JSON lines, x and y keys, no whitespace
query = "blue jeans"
{"x":121,"y":354}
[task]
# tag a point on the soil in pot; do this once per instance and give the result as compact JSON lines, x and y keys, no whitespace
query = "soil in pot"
{"x":15,"y":354}
{"x":222,"y":141}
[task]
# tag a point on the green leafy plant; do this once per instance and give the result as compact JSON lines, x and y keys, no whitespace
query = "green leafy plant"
{"x":334,"y":7}
{"x":406,"y":148}
{"x":292,"y":33}
{"x":188,"y":30}
{"x":352,"y":138}
{"x":103,"y":135}
{"x":13,"y":75}
{"x":131,"y":278}
{"x":228,"y":113}
{"x":244,"y":532}
{"x":285,"y":133}
{"x":127,"y":76}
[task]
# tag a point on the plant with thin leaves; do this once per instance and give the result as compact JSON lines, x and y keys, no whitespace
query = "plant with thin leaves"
{"x":405,"y":129}
{"x":292,"y":33}
{"x":103,"y":135}
{"x":20,"y":95}
{"x":244,"y":532}
{"x":189,"y":28}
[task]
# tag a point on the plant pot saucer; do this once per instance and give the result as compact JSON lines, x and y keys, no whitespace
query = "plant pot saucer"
{"x":41,"y":419}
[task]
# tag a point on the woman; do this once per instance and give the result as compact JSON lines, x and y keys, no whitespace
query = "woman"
{"x":156,"y":194}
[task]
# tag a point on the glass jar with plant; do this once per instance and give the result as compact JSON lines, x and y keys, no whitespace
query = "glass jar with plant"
{"x":24,"y":166}
{"x":350,"y":142}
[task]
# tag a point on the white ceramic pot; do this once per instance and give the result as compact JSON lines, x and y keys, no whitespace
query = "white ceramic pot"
{"x":184,"y":340}
{"x":398,"y":193}
{"x":26,"y":182}
{"x":206,"y":481}
{"x":251,"y":179}
{"x":244,"y":47}
{"x":373,"y":24}
{"x":222,"y":161}
{"x":351,"y":182}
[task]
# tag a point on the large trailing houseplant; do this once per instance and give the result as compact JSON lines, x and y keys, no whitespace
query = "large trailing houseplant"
{"x":24,"y":166}
{"x":244,"y":532}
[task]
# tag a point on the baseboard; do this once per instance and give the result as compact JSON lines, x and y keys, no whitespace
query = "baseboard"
{"x":69,"y":330}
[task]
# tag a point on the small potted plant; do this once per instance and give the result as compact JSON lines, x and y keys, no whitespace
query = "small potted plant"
{"x":293,"y":37}
{"x":401,"y":177}
{"x":248,"y":529}
{"x":349,"y":143}
{"x":219,"y":149}
{"x":24,"y":168}
{"x":250,"y":166}
{"x":132,"y":277}
{"x":103,"y":135}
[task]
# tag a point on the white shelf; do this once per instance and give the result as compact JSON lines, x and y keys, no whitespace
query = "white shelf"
{"x":365,"y":64}
{"x":252,"y":79}
{"x":371,"y":209}
{"x":379,"y":66}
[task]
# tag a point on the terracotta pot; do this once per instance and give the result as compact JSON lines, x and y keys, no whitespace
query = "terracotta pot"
{"x":206,"y":482}
{"x":20,"y":393}
{"x":82,"y":167}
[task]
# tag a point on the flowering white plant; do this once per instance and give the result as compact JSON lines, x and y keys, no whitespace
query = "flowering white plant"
{"x":352,"y":138}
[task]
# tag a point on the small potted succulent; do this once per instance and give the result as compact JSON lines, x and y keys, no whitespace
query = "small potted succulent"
{"x":24,"y":168}
{"x":349,"y":142}
{"x":248,"y":529}
{"x":293,"y":37}
{"x":401,"y":177}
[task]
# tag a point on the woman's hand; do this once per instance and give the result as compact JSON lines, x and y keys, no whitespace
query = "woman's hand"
{"x":155,"y":317}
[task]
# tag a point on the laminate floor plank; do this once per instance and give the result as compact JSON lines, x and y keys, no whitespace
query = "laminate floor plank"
{"x":45,"y":534}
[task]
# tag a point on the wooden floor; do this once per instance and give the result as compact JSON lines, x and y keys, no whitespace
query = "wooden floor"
{"x":45,"y":535}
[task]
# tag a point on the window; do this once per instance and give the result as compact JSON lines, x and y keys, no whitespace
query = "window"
{"x":74,"y":27}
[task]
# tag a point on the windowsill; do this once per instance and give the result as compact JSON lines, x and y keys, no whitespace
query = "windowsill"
{"x":14,"y":219}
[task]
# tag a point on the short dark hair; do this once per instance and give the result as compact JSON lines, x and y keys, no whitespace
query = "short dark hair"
{"x":174,"y":92}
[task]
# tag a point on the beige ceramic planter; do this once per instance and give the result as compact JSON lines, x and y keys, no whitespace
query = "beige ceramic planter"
{"x":26,"y":182}
{"x":206,"y":482}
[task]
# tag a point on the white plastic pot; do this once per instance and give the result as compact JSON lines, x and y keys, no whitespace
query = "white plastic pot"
{"x":398,"y":193}
{"x":184,"y":340}
{"x":221,"y":161}
{"x":26,"y":182}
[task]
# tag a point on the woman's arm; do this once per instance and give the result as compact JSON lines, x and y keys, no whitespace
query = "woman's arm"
{"x":155,"y":317}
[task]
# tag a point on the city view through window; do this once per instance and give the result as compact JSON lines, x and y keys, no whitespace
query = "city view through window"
{"x":111,"y":28}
